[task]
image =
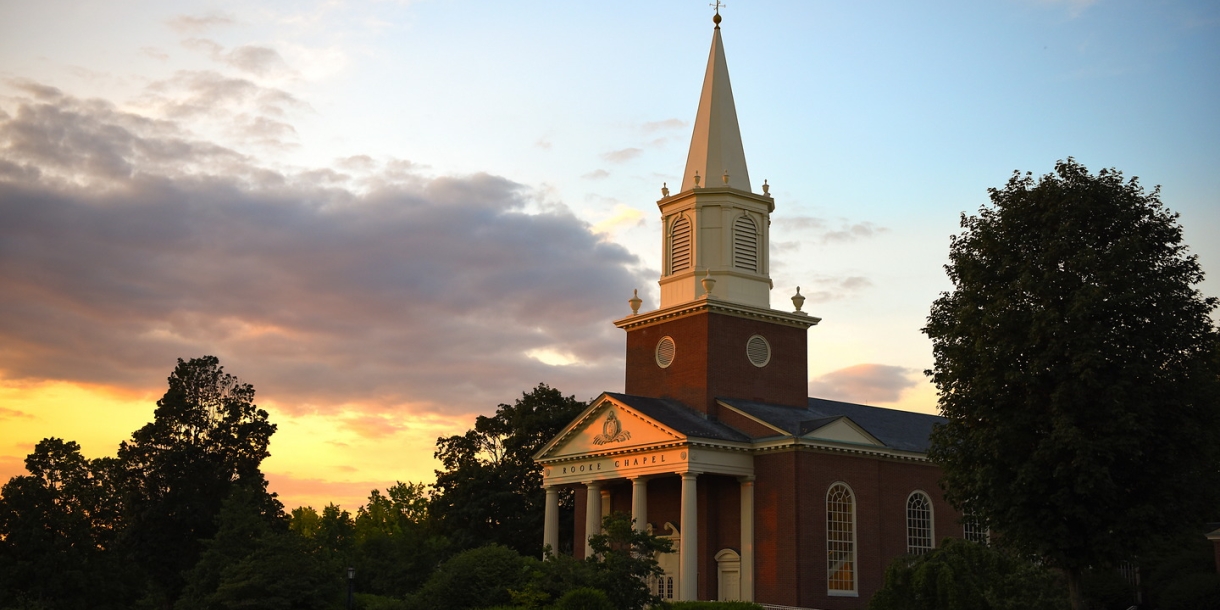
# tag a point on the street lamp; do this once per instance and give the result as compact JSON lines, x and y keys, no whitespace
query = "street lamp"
{"x":351,"y":577}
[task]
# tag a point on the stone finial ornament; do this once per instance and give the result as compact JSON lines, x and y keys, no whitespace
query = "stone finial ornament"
{"x":798,"y":300}
{"x":766,"y":189}
{"x":635,"y":301}
{"x":708,"y":282}
{"x":725,"y":177}
{"x":664,"y":189}
{"x":696,"y":178}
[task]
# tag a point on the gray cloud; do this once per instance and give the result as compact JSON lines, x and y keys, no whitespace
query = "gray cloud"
{"x":260,"y":61}
{"x":832,"y":288}
{"x":622,"y":156}
{"x":665,"y":125}
{"x":866,"y":383}
{"x":824,"y":232}
{"x":596,"y":174}
{"x":125,"y":244}
{"x":195,"y":24}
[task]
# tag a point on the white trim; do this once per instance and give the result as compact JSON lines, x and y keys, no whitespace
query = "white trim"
{"x":931,"y":523}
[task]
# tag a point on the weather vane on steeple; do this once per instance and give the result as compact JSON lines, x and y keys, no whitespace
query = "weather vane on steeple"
{"x":716,"y":5}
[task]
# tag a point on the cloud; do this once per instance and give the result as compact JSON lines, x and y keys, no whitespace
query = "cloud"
{"x":154,"y":53}
{"x":127,"y":243}
{"x":596,"y":174}
{"x":866,"y":383}
{"x":832,"y":288}
{"x":13,"y":414}
{"x":260,"y":61}
{"x":622,"y":156}
{"x":306,"y":491}
{"x":543,"y":143}
{"x":665,"y":125}
{"x":243,"y":110}
{"x":195,"y":24}
{"x":822,"y":231}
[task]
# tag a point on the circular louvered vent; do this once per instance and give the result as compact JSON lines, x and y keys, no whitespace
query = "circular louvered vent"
{"x":758,"y":351}
{"x":665,"y":352}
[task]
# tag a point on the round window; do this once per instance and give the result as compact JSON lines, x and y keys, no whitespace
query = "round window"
{"x":758,"y":351}
{"x":665,"y":352}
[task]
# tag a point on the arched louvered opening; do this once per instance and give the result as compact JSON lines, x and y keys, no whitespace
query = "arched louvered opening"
{"x":680,"y":246}
{"x":745,"y":244}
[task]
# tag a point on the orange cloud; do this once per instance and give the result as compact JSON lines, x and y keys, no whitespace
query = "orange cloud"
{"x":864,"y":383}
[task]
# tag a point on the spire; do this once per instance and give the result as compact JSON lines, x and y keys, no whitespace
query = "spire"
{"x":715,"y":147}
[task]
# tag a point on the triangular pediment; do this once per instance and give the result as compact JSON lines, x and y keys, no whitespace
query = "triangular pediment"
{"x":608,"y":425}
{"x":842,"y":429}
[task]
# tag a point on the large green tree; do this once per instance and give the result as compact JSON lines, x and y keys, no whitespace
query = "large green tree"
{"x":491,"y":489}
{"x":207,"y":437}
{"x":1077,"y":365}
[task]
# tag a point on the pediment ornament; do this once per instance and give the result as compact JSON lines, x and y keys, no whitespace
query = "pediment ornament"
{"x":612,"y":431}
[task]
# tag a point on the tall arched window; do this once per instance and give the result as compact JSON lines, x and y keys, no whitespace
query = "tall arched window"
{"x":919,"y":523}
{"x":680,"y":246}
{"x":745,"y":244}
{"x":840,"y":540}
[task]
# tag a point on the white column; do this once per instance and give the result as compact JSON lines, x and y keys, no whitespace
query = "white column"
{"x":639,"y":503}
{"x":550,"y":521}
{"x":747,"y":538}
{"x":593,"y":509}
{"x":689,"y":564}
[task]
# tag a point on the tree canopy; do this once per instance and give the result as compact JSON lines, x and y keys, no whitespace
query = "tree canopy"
{"x":1077,"y":365}
{"x":491,"y":489}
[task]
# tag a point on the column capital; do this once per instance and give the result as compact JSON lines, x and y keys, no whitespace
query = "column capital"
{"x":747,"y":479}
{"x":689,"y":474}
{"x":593,"y":483}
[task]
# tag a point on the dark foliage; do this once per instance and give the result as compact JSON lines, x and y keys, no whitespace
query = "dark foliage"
{"x":964,"y":575}
{"x":491,"y":490}
{"x":1078,"y":366}
{"x":207,"y":437}
{"x":477,"y":578}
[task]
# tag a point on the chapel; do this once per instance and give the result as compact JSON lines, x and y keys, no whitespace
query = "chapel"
{"x":767,"y":494}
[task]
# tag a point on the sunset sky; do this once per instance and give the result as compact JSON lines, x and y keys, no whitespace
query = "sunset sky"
{"x":389,"y":217}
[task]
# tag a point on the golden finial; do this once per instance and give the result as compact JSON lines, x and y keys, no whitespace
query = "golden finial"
{"x":725,"y":177}
{"x":716,"y":18}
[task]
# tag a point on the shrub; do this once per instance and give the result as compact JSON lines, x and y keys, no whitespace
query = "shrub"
{"x":584,"y":598}
{"x":477,"y":578}
{"x":1192,"y":592}
{"x":713,"y":606}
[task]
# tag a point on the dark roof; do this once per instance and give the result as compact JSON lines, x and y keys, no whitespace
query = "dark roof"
{"x":902,"y":430}
{"x":680,"y":417}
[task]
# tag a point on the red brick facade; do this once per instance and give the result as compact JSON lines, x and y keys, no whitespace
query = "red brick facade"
{"x":710,"y":362}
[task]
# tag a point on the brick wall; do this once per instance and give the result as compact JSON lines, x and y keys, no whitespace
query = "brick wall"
{"x":710,"y":361}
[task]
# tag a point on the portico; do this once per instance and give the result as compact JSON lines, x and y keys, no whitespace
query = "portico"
{"x":618,"y":446}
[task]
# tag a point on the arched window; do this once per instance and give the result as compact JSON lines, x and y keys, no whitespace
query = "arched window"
{"x":920,"y":536}
{"x":840,"y":540}
{"x":974,"y":531}
{"x":745,"y":244}
{"x":680,"y":246}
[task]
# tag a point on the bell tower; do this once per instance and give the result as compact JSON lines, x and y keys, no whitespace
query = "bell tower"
{"x":715,"y":334}
{"x":716,"y":227}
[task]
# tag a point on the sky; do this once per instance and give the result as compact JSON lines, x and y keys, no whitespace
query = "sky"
{"x":390,"y":217}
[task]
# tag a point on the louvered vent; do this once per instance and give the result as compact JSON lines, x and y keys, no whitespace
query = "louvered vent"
{"x":679,"y":243}
{"x":665,"y":352}
{"x":758,"y":351}
{"x":745,"y":244}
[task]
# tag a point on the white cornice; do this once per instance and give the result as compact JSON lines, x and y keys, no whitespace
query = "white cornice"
{"x":713,"y":305}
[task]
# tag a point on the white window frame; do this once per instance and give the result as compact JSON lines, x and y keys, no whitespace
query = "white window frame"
{"x":914,"y":537}
{"x":853,"y":540}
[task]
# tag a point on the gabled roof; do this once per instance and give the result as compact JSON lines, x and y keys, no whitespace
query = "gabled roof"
{"x":901,"y":430}
{"x":680,"y":417}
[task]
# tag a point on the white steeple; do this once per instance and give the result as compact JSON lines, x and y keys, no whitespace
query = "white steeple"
{"x":715,"y":146}
{"x":716,"y":230}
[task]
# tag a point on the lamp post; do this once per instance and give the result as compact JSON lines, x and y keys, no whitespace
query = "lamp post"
{"x":351,"y":577}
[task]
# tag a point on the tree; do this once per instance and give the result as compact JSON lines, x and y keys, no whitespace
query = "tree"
{"x":964,"y":575}
{"x":57,"y":531}
{"x":206,"y":438}
{"x":1077,"y":366}
{"x":491,"y":489}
